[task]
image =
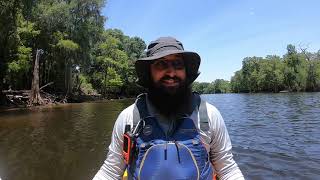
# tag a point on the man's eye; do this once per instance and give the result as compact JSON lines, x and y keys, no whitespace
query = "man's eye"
{"x":161,"y":65}
{"x":179,"y":64}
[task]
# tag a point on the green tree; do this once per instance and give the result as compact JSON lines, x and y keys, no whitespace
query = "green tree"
{"x":113,"y":81}
{"x":11,"y":46}
{"x":208,"y":88}
{"x":313,"y":76}
{"x":18,"y":72}
{"x":200,"y":87}
{"x":68,"y":50}
{"x":271,"y":74}
{"x":117,"y":51}
{"x":19,"y":67}
{"x":295,"y":72}
{"x":250,"y":71}
{"x":79,"y":22}
{"x":237,"y":84}
{"x":221,"y":86}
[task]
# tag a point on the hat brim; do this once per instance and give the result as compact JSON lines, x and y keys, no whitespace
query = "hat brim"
{"x":192,"y":62}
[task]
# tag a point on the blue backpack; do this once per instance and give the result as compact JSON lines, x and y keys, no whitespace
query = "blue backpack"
{"x":181,"y":155}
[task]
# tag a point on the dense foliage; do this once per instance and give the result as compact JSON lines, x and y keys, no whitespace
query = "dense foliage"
{"x":80,"y":56}
{"x":294,"y":72}
{"x":217,"y":86}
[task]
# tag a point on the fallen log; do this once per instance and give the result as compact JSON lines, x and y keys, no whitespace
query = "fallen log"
{"x":20,"y":98}
{"x":50,"y":83}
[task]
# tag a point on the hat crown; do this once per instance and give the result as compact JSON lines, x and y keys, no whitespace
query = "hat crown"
{"x":163,"y":44}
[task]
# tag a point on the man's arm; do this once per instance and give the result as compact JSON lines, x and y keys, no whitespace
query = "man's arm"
{"x":221,"y":148}
{"x":114,"y":165}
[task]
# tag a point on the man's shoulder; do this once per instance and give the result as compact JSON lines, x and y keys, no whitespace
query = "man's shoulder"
{"x":211,"y":109}
{"x":124,"y":118}
{"x":128,"y":111}
{"x":214,"y":116}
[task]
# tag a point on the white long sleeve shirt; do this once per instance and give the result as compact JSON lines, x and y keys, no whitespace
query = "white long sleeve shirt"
{"x":216,"y":140}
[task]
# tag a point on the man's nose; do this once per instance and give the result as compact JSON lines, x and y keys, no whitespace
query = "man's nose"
{"x":171,"y":71}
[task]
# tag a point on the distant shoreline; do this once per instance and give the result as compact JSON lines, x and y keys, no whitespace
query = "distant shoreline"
{"x":95,"y":98}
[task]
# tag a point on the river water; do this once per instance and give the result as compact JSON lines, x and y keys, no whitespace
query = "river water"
{"x":274,"y":136}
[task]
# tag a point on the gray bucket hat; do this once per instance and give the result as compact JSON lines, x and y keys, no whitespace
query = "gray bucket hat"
{"x":162,"y":47}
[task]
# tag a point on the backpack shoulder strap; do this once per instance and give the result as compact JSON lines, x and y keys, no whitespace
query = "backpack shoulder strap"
{"x":140,"y":110}
{"x":203,"y":113}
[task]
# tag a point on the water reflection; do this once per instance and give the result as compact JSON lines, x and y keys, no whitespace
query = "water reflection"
{"x":65,"y":142}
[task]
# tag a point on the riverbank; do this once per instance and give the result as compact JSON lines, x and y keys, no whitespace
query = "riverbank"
{"x":19,"y":99}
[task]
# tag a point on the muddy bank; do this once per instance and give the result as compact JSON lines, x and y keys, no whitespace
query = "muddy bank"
{"x":16,"y":99}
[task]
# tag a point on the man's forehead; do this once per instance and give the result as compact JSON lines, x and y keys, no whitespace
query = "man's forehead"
{"x":172,"y":57}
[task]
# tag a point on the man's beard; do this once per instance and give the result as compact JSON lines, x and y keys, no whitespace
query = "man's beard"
{"x":171,"y":101}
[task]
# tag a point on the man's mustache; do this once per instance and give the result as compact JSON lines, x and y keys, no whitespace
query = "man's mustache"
{"x":175,"y":78}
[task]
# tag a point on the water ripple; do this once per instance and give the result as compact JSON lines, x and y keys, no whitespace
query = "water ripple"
{"x":275,"y":136}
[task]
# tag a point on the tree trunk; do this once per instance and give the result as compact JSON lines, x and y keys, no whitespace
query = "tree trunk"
{"x":35,"y":98}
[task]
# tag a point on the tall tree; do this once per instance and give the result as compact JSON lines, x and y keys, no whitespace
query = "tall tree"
{"x":270,"y":75}
{"x":250,"y":71}
{"x":35,"y":98}
{"x":11,"y":47}
{"x":295,"y":74}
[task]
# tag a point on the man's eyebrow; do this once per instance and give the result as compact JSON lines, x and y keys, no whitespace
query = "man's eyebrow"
{"x":160,"y":59}
{"x":178,"y":57}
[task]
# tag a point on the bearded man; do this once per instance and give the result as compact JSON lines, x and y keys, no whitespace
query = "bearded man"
{"x":169,"y":132}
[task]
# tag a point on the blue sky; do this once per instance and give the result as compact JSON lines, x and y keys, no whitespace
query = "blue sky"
{"x":221,"y":32}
